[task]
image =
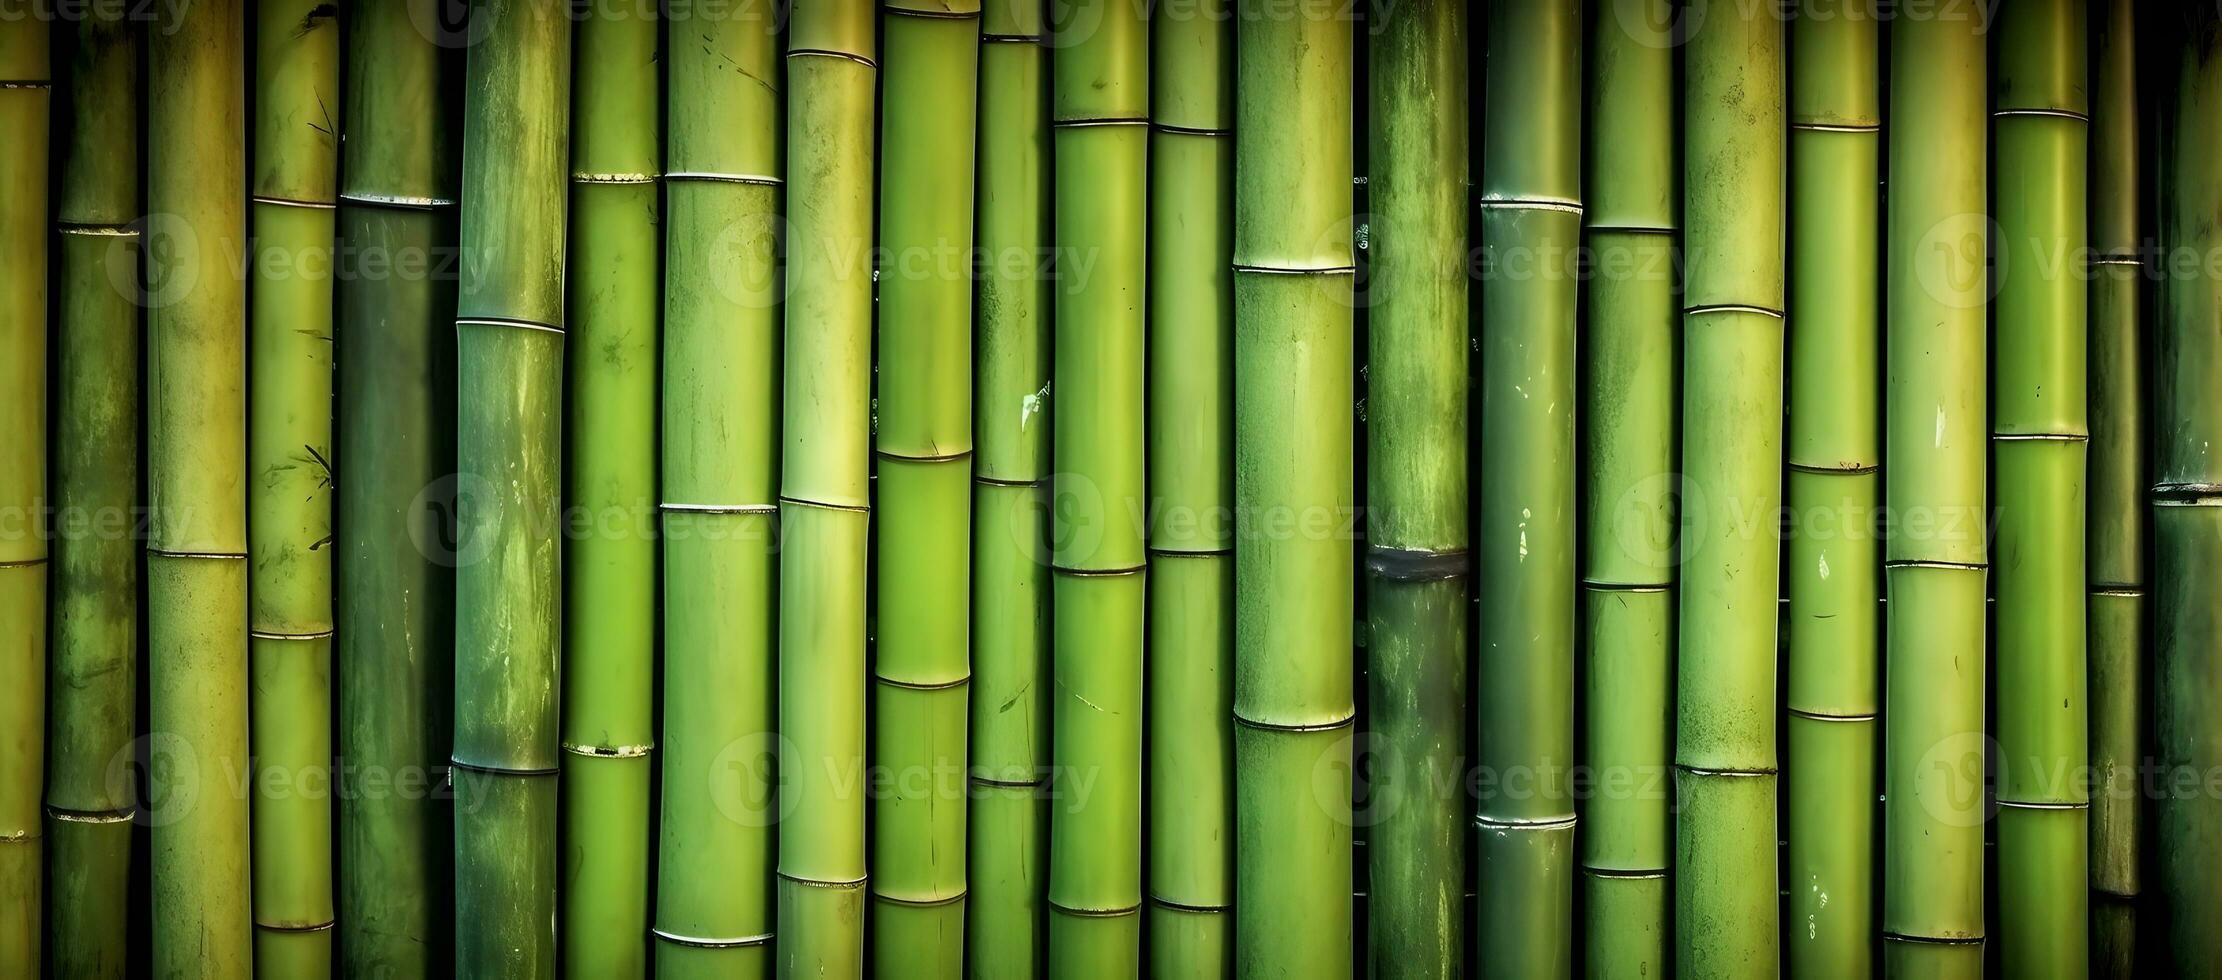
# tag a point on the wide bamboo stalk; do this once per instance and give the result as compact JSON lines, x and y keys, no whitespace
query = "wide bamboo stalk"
{"x":396,"y":453}
{"x":1009,"y":738}
{"x":95,"y":611}
{"x":509,"y":464}
{"x":289,"y":451}
{"x":1936,"y":558}
{"x":2039,"y":441}
{"x":26,"y":83}
{"x":196,"y":480}
{"x":614,"y":296}
{"x":825,"y":493}
{"x":1417,"y":555}
{"x":714,"y":891}
{"x":1530,"y":226}
{"x":1295,"y":711}
{"x":922,"y":675}
{"x":1832,"y":562}
{"x":1100,"y":112}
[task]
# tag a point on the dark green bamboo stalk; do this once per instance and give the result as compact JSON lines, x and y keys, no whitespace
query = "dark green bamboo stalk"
{"x":714,"y":888}
{"x":1936,"y":560}
{"x":509,"y":456}
{"x":825,"y":512}
{"x":95,"y":612}
{"x":1832,"y":563}
{"x":1010,"y":578}
{"x":26,"y":84}
{"x":1531,"y":213}
{"x":1294,"y":710}
{"x":609,"y":641}
{"x":396,"y":430}
{"x":1628,"y":413}
{"x":1100,"y":108}
{"x":1417,"y":538}
{"x":196,"y":477}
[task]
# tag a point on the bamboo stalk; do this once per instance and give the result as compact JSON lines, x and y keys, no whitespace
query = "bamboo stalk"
{"x":396,"y":450}
{"x":714,"y":892}
{"x":825,"y":503}
{"x":509,"y":455}
{"x":1936,"y":561}
{"x":1418,"y":556}
{"x":1831,"y":562}
{"x":614,"y":296}
{"x":1294,"y":711}
{"x":1100,"y":113}
{"x":95,"y":613}
{"x":26,"y":84}
{"x":1530,"y":219}
{"x":1008,"y":823}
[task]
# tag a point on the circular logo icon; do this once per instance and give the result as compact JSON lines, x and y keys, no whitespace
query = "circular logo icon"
{"x":451,"y":518}
{"x":744,"y":780}
{"x":1954,"y":263}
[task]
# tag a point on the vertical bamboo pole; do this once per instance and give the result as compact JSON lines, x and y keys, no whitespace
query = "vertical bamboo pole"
{"x":825,"y":499}
{"x":1832,"y":562}
{"x":95,"y":613}
{"x":1936,"y":561}
{"x":26,"y":83}
{"x":1100,"y":107}
{"x":714,"y":890}
{"x":1294,"y":709}
{"x":509,"y":456}
{"x":1627,"y":413}
{"x":1418,"y":553}
{"x":1531,"y":212}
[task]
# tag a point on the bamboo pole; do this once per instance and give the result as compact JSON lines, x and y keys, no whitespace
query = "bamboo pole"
{"x":1936,"y":559}
{"x":1100,"y":112}
{"x":614,"y":296}
{"x":396,"y":453}
{"x":26,"y":83}
{"x":95,"y":613}
{"x":1530,"y":220}
{"x":1294,"y":711}
{"x":1418,"y":556}
{"x":1008,"y":824}
{"x":509,"y":455}
{"x":1627,"y":413}
{"x":1832,"y":561}
{"x":714,"y":892}
{"x":825,"y":502}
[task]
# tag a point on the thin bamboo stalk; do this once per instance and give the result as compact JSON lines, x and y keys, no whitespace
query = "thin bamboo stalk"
{"x":714,"y":892}
{"x":1418,"y":556}
{"x":509,"y":456}
{"x":1936,"y":559}
{"x":1295,"y":712}
{"x":1531,"y":212}
{"x":1832,"y":562}
{"x":825,"y":501}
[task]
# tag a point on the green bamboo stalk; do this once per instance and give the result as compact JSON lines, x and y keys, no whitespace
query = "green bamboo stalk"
{"x":1936,"y":561}
{"x":1100,"y":111}
{"x":1628,"y":413}
{"x":922,"y":675}
{"x":26,"y":94}
{"x":509,"y":455}
{"x":2187,"y":510}
{"x":396,"y":432}
{"x":614,"y":297}
{"x":1531,"y":212}
{"x":95,"y":613}
{"x":714,"y":888}
{"x":1295,"y":712}
{"x":1010,"y":580}
{"x":1417,"y":534}
{"x":2040,"y":432}
{"x":825,"y":501}
{"x":289,"y":448}
{"x":1832,"y":562}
